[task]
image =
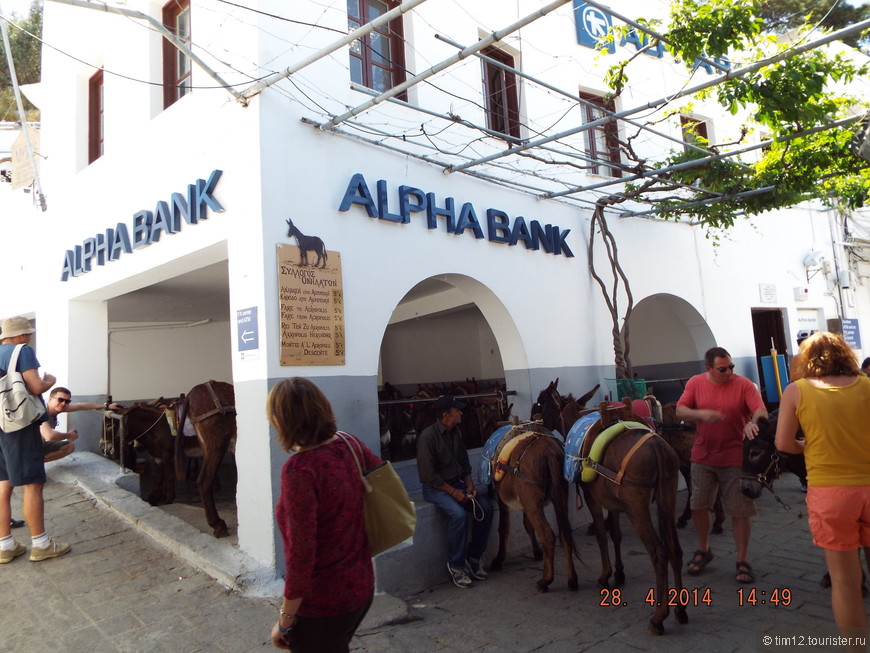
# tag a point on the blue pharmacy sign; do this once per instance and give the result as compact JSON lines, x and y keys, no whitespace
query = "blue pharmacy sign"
{"x":851,"y":332}
{"x":246,"y":319}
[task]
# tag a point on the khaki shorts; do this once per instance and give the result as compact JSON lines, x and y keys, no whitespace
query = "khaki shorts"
{"x":706,"y":479}
{"x":839,"y":516}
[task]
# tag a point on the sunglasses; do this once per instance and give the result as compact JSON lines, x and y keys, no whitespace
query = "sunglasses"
{"x":722,"y":370}
{"x":61,"y":400}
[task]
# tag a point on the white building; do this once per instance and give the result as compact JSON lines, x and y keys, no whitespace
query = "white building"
{"x":155,"y":268}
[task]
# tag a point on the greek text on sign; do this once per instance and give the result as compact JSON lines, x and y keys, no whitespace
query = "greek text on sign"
{"x":312,"y":310}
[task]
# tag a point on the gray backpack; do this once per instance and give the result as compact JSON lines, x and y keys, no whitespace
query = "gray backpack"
{"x":18,"y":408}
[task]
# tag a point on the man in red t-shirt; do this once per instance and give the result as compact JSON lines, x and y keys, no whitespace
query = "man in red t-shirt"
{"x":725,"y":407}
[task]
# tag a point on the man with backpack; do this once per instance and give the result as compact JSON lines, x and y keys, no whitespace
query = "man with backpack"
{"x":21,"y":453}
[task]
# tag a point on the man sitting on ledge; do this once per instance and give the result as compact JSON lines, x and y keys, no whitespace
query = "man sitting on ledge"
{"x":445,"y":472}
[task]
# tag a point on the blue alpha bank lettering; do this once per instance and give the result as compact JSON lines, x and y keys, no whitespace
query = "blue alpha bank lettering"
{"x":146,"y":227}
{"x":499,"y":228}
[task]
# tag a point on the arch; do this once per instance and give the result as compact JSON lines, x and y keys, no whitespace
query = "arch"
{"x":668,"y":339}
{"x":448,"y":298}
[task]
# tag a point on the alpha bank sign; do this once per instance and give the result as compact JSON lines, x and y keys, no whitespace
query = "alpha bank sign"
{"x":593,"y":24}
{"x":145,"y":228}
{"x":454,"y":217}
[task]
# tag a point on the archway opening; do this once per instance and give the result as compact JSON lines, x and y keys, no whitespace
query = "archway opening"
{"x":438,"y":341}
{"x":668,"y":341}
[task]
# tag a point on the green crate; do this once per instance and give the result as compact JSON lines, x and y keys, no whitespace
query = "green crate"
{"x":631,"y":388}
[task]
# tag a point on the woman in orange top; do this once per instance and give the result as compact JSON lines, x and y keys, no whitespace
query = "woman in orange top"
{"x":830,"y":402}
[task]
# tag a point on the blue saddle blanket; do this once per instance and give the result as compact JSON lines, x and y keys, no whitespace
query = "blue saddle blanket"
{"x":487,"y":455}
{"x":574,"y":445}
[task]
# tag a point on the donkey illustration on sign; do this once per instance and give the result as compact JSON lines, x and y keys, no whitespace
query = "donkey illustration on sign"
{"x":307,"y":244}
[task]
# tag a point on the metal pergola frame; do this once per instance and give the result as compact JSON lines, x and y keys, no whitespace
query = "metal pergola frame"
{"x":514,"y":171}
{"x":544,"y":143}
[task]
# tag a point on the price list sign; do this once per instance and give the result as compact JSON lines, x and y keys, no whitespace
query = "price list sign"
{"x":312,"y":310}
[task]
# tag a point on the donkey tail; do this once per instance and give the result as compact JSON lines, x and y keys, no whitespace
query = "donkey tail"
{"x":666,"y":496}
{"x":559,"y":490}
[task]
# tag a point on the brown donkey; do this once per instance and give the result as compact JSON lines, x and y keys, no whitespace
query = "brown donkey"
{"x":527,"y":478}
{"x":681,"y":436}
{"x":648,"y":469}
{"x":211,"y":409}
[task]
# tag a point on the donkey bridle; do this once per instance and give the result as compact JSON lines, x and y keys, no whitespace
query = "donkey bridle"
{"x":766,"y":479}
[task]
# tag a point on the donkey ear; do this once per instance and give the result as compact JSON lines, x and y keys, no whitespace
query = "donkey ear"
{"x":288,"y":221}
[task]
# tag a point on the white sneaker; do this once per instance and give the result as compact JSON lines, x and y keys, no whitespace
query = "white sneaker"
{"x":459,"y":576}
{"x":53,"y":550}
{"x":11,"y":554}
{"x":474,"y":569}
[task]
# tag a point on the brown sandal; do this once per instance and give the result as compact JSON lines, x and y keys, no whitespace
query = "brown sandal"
{"x":699,"y":561}
{"x":744,"y":573}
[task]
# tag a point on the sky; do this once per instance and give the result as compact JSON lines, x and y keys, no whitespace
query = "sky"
{"x":9,"y":7}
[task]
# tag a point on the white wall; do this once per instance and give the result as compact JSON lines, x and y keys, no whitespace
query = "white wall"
{"x":440,"y":349}
{"x":143,"y":359}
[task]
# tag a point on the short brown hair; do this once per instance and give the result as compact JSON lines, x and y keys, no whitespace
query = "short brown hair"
{"x":300,"y":413}
{"x":713,"y":353}
{"x":824,"y":354}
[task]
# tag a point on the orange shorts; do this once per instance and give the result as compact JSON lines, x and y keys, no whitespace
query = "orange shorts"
{"x":839,"y":516}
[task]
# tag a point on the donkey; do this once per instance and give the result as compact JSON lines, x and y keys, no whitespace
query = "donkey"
{"x":527,"y":479}
{"x":681,"y":436}
{"x":307,"y":244}
{"x":559,"y":412}
{"x":648,"y":469}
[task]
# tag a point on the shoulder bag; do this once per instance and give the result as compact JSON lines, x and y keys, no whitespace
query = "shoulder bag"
{"x":389,"y":512}
{"x":18,"y":408}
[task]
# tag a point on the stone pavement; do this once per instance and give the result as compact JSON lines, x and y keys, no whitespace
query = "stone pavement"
{"x":124,"y":588}
{"x":505,"y":613}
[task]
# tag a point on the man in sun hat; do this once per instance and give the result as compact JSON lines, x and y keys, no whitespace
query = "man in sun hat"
{"x":21,"y":456}
{"x":445,"y":473}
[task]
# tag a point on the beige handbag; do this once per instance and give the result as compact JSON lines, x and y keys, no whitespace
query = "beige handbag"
{"x":389,"y":512}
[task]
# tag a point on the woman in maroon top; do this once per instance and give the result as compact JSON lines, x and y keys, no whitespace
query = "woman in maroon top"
{"x":329,"y":579}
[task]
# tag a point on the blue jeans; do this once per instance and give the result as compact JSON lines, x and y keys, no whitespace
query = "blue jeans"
{"x":457,"y":528}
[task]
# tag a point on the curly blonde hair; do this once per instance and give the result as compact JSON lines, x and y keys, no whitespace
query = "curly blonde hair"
{"x":300,"y":413}
{"x":824,"y":354}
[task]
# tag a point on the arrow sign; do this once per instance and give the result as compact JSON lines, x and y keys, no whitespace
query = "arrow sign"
{"x":248,"y":329}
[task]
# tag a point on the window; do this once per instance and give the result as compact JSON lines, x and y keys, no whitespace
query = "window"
{"x":694,"y":132}
{"x":602,"y":142}
{"x":500,"y":91}
{"x":176,"y":64}
{"x":377,"y":60}
{"x":95,"y":117}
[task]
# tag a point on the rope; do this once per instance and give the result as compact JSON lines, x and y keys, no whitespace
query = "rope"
{"x":476,"y":508}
